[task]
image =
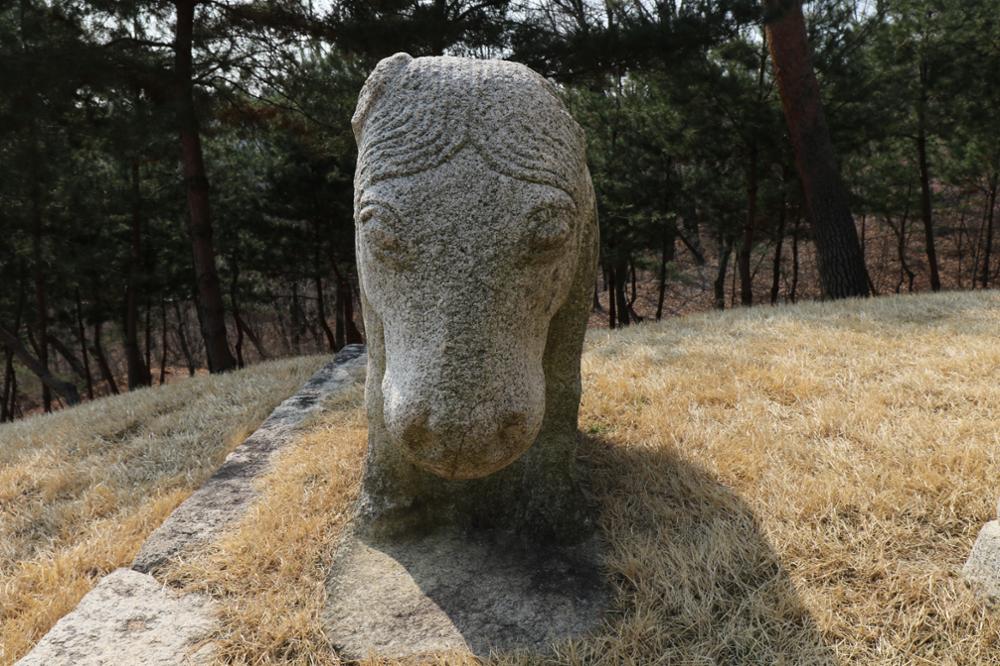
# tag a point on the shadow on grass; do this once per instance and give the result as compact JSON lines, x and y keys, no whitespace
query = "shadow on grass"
{"x":695,"y":579}
{"x":690,"y":579}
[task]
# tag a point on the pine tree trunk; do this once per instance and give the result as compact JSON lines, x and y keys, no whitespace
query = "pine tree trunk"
{"x":634,"y":296}
{"x":286,"y":345}
{"x":240,"y":363}
{"x":984,"y":279}
{"x":632,"y":283}
{"x":212,"y":314}
{"x":621,"y":274}
{"x":779,"y":239}
{"x":349,"y":334}
{"x":746,"y":247}
{"x":666,"y":256}
{"x":10,"y":374}
{"x":719,"y":286}
{"x":8,"y":381}
{"x":840,"y":261}
{"x":331,"y":340}
{"x":34,"y":165}
{"x":163,"y":341}
{"x":41,"y":370}
{"x":15,"y":409}
{"x":926,"y":207}
{"x":148,"y":342}
{"x":746,"y":242}
{"x":182,"y":340}
{"x":74,"y":363}
{"x":102,"y":360}
{"x":732,"y":290}
{"x":352,"y":334}
{"x":792,"y":290}
{"x":339,"y":327}
{"x":296,"y":321}
{"x":338,"y":324}
{"x":82,"y":339}
{"x":235,"y":303}
{"x":138,"y":373}
{"x":612,"y":301}
{"x":252,"y":336}
{"x":41,"y":297}
{"x":904,"y":267}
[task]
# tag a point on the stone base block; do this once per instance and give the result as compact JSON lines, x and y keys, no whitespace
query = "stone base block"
{"x":983,"y":566}
{"x":460,"y":591}
{"x":129,"y":618}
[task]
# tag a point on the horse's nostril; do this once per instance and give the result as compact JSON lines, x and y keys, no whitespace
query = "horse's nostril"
{"x":513,"y":427}
{"x":509,"y":439}
{"x":417,"y":436}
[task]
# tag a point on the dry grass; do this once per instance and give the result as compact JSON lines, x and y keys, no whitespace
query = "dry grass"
{"x":269,"y":572}
{"x":81,"y":489}
{"x":778,"y":486}
{"x":799,"y":485}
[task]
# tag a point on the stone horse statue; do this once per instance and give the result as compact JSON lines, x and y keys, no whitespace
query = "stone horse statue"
{"x":477,"y":245}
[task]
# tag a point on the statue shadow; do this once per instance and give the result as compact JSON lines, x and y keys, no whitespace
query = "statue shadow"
{"x":678,"y":572}
{"x":695,"y":579}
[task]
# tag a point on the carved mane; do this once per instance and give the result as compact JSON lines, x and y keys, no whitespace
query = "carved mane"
{"x":440,"y":105}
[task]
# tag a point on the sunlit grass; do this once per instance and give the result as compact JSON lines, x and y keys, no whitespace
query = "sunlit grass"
{"x":797,"y":485}
{"x":82,"y":488}
{"x":831,"y":463}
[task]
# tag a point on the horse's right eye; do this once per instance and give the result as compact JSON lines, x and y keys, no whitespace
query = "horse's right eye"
{"x":375,"y":213}
{"x":380,"y":232}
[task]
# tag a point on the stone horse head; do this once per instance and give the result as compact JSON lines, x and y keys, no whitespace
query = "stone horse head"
{"x":476,"y":243}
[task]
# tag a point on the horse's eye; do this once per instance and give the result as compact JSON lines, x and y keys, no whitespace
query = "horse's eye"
{"x":376,"y":213}
{"x":549,"y":228}
{"x":380,"y":231}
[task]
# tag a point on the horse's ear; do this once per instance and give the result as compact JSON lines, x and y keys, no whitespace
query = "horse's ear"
{"x":385,"y":73}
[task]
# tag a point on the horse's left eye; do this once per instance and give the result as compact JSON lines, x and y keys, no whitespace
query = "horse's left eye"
{"x":549,"y":228}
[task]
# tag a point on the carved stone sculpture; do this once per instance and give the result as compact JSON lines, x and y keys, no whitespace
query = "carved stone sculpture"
{"x":477,"y":245}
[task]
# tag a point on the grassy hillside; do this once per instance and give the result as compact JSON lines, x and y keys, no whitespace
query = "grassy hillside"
{"x":791,"y":485}
{"x":81,"y":489}
{"x":797,"y":485}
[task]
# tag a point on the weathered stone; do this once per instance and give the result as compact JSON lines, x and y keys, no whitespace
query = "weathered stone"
{"x":982,"y":569}
{"x":129,"y":618}
{"x":225,"y":497}
{"x":476,"y":245}
{"x":460,"y":591}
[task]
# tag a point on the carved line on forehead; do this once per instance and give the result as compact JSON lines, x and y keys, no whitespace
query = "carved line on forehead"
{"x":415,"y":114}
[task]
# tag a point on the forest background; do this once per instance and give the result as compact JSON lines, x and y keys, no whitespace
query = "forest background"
{"x":176,"y":177}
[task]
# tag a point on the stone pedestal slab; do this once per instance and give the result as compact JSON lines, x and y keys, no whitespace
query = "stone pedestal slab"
{"x":455,"y":590}
{"x":129,"y":618}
